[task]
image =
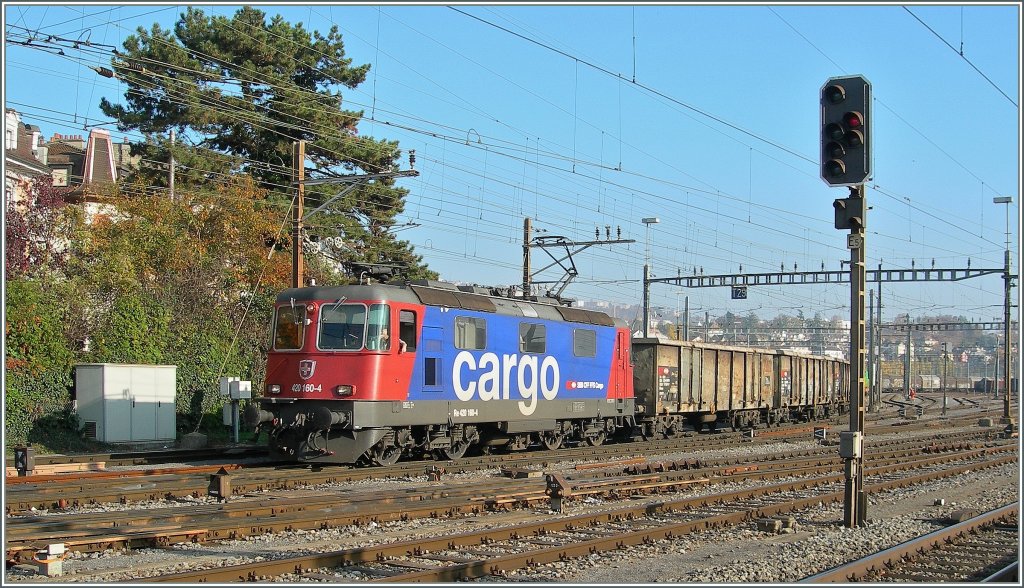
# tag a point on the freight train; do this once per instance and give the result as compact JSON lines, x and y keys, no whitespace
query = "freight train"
{"x":371,"y":373}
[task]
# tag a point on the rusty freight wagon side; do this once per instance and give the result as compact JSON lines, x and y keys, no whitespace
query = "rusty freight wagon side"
{"x":690,"y":385}
{"x":684,"y":385}
{"x":810,"y":386}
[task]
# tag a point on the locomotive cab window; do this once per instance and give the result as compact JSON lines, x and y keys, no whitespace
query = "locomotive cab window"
{"x":378,"y":328}
{"x":290,"y":327}
{"x":470,"y":333}
{"x":532,"y":338}
{"x":584,"y":342}
{"x":342,"y":327}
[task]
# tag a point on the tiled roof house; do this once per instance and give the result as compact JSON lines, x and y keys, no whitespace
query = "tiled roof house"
{"x":86,"y":165}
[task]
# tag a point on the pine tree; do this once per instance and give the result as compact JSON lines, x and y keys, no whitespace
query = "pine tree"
{"x":239,"y":92}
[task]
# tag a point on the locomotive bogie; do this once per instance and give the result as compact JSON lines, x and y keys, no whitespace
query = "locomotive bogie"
{"x":303,"y":430}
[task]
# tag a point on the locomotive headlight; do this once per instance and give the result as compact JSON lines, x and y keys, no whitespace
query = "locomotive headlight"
{"x":344,"y":390}
{"x":274,"y":388}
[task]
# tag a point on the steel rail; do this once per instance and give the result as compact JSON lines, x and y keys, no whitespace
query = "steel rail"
{"x":858,"y":569}
{"x":378,"y":553}
{"x":232,"y":520}
{"x":1010,"y":573}
{"x":83,"y":490}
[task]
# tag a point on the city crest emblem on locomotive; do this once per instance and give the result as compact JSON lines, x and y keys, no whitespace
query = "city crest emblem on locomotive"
{"x":306,"y":368}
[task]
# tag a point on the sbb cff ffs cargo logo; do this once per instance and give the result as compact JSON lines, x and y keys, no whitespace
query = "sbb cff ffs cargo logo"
{"x":846,"y":131}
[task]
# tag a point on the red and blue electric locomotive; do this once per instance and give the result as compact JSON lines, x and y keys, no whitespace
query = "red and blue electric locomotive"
{"x":369,"y":373}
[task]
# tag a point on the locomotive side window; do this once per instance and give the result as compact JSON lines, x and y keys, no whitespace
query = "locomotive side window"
{"x":378,"y":328}
{"x":470,"y":333}
{"x":432,"y":372}
{"x":290,"y":327}
{"x":342,"y":327}
{"x":532,"y":338}
{"x":407,"y":328}
{"x":584,"y":342}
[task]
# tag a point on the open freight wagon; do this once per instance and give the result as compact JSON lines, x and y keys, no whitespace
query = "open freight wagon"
{"x":691,"y":385}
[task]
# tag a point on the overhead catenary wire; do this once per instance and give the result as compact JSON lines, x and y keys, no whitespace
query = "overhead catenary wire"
{"x":961,"y":54}
{"x":525,"y":160}
{"x":573,"y":158}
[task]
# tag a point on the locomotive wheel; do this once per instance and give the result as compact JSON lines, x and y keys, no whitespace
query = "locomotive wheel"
{"x":387,"y":456}
{"x":595,"y":439}
{"x":551,"y":441}
{"x":454,"y":451}
{"x":647,"y":432}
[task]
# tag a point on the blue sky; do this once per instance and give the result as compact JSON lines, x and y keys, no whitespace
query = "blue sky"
{"x":706,"y":117}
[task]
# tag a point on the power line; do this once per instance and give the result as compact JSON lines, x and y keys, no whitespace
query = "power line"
{"x":641,"y":86}
{"x":962,"y":56}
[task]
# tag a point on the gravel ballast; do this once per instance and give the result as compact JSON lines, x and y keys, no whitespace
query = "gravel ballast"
{"x":740,"y":554}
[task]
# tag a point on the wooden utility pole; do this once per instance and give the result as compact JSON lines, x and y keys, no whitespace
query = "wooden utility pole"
{"x":171,"y":180}
{"x":299,"y":176}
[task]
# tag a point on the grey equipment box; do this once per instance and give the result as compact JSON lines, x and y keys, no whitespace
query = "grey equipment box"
{"x":120,"y":403}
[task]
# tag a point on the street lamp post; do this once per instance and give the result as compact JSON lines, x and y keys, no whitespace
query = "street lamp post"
{"x":1007,"y":284}
{"x":995,"y":369}
{"x":943,"y":378}
{"x":647,"y":221}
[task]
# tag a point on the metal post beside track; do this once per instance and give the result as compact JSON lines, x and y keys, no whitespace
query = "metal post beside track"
{"x":855,"y":501}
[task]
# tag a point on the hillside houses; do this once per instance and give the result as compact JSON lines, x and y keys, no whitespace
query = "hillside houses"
{"x":86,"y":164}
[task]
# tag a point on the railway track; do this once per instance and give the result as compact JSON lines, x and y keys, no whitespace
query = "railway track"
{"x":308,"y":507}
{"x":94,"y":532}
{"x":983,"y":546}
{"x":152,"y":457}
{"x":494,"y":552}
{"x":119,"y":486}
{"x":227,"y":454}
{"x":24,"y":494}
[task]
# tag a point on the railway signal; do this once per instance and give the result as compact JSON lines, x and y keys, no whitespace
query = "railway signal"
{"x":846,"y":131}
{"x":849,"y":213}
{"x":846,"y":161}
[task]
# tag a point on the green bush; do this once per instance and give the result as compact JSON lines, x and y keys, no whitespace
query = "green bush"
{"x":38,"y":359}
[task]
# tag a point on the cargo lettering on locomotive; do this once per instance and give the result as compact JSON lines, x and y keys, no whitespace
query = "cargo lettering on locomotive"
{"x":490,"y":378}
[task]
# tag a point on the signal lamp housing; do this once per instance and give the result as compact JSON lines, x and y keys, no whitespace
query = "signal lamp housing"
{"x":845,"y":131}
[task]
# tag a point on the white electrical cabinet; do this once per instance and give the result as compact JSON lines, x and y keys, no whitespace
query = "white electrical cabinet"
{"x":124,"y":403}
